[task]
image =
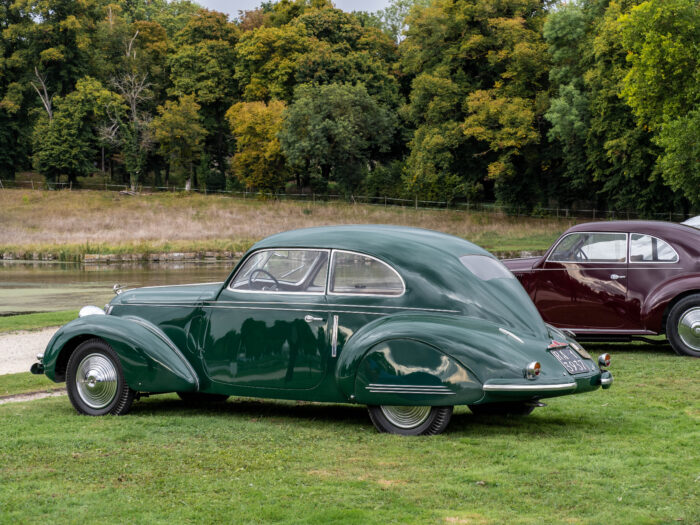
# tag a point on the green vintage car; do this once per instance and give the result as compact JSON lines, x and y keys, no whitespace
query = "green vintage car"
{"x":406,"y":321}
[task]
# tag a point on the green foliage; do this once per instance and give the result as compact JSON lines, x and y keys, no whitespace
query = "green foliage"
{"x":65,"y":143}
{"x":591,"y":103}
{"x":179,"y":132}
{"x":259,"y":162}
{"x":662,"y":84}
{"x":335,"y":130}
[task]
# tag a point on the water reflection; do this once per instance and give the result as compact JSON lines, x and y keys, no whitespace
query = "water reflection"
{"x":37,"y":286}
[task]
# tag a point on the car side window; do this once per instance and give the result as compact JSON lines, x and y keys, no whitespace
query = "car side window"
{"x":283,"y":271}
{"x":591,"y":247}
{"x":357,"y":274}
{"x":645,"y":248}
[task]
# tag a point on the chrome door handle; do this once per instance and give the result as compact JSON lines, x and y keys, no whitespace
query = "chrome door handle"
{"x":311,"y":318}
{"x":615,"y":277}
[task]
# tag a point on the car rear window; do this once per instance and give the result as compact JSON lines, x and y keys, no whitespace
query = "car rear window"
{"x":645,"y":248}
{"x":358,"y":274}
{"x":485,"y":268}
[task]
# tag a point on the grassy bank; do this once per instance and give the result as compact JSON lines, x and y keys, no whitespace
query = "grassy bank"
{"x":71,"y":224}
{"x":626,"y":455}
{"x":36,"y":321}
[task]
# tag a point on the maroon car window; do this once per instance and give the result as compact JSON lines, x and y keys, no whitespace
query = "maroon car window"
{"x":485,"y":268}
{"x":645,"y":248}
{"x":591,"y":247}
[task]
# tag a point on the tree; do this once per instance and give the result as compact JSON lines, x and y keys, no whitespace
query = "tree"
{"x":202,"y":66}
{"x":663,"y":84}
{"x":259,"y":162}
{"x":179,"y":133}
{"x":336,"y":131}
{"x":65,"y":139}
{"x":478,"y":70}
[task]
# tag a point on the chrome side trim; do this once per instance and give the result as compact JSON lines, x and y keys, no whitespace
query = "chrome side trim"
{"x":511,"y":334}
{"x":530,"y":388}
{"x":342,"y":305}
{"x":334,"y":336}
{"x":166,"y":305}
{"x":409,"y":389}
{"x":161,"y":335}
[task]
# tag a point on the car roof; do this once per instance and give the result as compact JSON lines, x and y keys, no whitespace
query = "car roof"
{"x":682,"y":234}
{"x":377,"y":240}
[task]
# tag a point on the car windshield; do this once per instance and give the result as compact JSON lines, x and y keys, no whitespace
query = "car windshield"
{"x":485,"y":268}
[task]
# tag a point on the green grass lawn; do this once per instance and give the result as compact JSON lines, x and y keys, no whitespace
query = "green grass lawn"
{"x":626,"y":455}
{"x":36,"y":321}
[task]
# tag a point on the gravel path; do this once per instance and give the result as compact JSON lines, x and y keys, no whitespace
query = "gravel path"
{"x":18,"y":349}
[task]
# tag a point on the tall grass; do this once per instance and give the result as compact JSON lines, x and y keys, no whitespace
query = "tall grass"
{"x":104,"y":222}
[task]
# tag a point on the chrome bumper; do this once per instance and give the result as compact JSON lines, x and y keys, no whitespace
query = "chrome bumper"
{"x":558,"y":387}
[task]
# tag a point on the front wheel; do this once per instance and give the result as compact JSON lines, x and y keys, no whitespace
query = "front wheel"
{"x":95,"y":380}
{"x":502,"y":409}
{"x":410,"y":420}
{"x":683,"y":326}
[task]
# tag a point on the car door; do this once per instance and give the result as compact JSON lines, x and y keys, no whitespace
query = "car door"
{"x":651,"y":261}
{"x":269,"y":327}
{"x":583,"y":282}
{"x":361,"y":288}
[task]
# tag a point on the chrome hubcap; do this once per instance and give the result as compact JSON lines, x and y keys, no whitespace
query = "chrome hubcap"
{"x":406,"y":417}
{"x":689,"y":328}
{"x":96,"y":381}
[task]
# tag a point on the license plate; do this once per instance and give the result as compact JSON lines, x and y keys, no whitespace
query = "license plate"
{"x":570,"y":360}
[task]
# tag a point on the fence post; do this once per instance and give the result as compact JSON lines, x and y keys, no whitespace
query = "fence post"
{"x":32,"y":183}
{"x":593,"y":213}
{"x":416,"y":201}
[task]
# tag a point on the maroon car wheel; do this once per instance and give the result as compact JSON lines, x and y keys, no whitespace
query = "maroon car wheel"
{"x":683,"y":326}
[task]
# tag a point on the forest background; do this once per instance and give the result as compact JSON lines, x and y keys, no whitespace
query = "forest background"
{"x":588,"y":103}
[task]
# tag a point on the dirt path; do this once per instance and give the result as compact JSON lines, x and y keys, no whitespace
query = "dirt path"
{"x":18,"y":349}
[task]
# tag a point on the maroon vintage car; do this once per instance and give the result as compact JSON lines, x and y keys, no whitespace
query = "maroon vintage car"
{"x":620,"y":280}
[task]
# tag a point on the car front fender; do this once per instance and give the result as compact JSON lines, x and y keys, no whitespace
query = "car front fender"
{"x":149,"y":359}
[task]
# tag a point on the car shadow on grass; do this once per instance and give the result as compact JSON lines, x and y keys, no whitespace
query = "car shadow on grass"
{"x":463,"y":422}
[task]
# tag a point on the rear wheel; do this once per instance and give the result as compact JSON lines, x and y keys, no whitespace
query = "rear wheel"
{"x":95,"y":380}
{"x":200,"y":398}
{"x":503,"y":409}
{"x":410,"y":420}
{"x":683,"y":326}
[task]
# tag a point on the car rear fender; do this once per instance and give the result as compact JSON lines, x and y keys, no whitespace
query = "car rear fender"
{"x":149,"y":359}
{"x":442,"y":355}
{"x":656,"y":304}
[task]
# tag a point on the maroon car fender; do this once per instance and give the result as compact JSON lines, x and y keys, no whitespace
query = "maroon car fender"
{"x":657,"y":301}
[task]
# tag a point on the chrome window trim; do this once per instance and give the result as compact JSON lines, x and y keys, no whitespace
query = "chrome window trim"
{"x":331,"y":271}
{"x":277,"y":292}
{"x":627,"y":237}
{"x":629,"y":250}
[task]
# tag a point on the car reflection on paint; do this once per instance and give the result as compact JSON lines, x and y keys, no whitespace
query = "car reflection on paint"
{"x":408,"y":322}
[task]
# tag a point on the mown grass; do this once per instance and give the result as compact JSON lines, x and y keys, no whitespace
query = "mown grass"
{"x":24,"y":382}
{"x":72,"y":223}
{"x":626,"y":455}
{"x":36,"y":321}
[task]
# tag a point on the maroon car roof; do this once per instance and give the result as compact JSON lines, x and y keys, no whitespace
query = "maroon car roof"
{"x":686,"y":236}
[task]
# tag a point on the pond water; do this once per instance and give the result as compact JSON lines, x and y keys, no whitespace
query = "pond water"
{"x":49,"y":286}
